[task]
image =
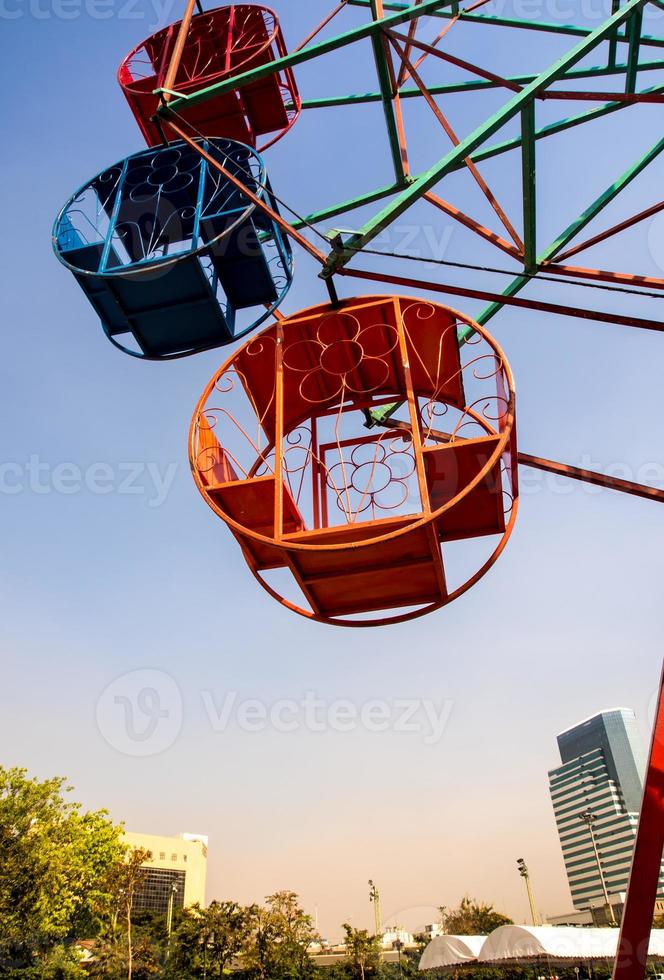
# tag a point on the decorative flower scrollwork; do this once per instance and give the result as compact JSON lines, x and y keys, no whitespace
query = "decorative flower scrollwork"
{"x":374,"y":477}
{"x":342,"y":356}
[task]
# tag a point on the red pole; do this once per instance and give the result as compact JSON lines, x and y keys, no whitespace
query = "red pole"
{"x":644,"y":878}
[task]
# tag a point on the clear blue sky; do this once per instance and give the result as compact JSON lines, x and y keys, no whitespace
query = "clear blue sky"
{"x":97,"y":585}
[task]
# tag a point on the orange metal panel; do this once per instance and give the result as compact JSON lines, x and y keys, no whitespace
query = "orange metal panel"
{"x":251,"y":504}
{"x":394,"y":572}
{"x":433,"y":351}
{"x":452,"y":467}
{"x":318,"y":561}
{"x":406,"y":583}
{"x":213,"y":461}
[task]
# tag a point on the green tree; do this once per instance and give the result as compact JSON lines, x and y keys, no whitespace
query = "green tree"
{"x":363,"y":951}
{"x":472,"y":918}
{"x":280,"y":937}
{"x":54,"y":862}
{"x":261,"y":959}
{"x":210,"y":939}
{"x":295,"y":934}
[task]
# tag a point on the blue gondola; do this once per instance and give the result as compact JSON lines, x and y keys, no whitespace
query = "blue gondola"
{"x":172,"y":253}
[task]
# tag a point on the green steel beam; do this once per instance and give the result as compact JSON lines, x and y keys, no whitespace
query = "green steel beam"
{"x":360,"y":98}
{"x":425,"y":182}
{"x":356,"y":202}
{"x":308,"y":53}
{"x":387,"y":96}
{"x":518,"y":23}
{"x":613,"y":41}
{"x":634,"y":34}
{"x":529,"y":178}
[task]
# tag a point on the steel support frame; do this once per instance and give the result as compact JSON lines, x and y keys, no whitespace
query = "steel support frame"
{"x":486,"y":153}
{"x":409,"y":189}
{"x":516,"y":105}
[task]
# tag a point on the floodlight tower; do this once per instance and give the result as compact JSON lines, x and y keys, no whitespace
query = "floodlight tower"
{"x":525,"y":874}
{"x":374,"y":896}
{"x":589,"y":819}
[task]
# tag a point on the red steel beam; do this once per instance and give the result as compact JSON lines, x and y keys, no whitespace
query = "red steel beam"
{"x":178,"y":50}
{"x":450,"y":24}
{"x":614,"y":230}
{"x":405,"y":74}
{"x":473,"y":225}
{"x":634,"y":97}
{"x":601,"y":275}
{"x":589,"y":476}
{"x":503,"y":299}
{"x":412,"y":31}
{"x":326,"y":20}
{"x":631,"y":962}
{"x":467,"y":65}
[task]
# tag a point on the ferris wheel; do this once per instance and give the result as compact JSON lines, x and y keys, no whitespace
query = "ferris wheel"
{"x":362,"y":452}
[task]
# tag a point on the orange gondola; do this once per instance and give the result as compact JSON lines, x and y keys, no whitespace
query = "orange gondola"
{"x":341,"y":519}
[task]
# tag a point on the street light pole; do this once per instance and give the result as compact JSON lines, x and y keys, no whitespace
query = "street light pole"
{"x":525,"y":874}
{"x":169,"y":918}
{"x":589,"y":819}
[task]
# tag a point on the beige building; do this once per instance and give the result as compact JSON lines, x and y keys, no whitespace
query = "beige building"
{"x":177,"y":870}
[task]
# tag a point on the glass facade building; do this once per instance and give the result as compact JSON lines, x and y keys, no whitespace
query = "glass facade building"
{"x":156,"y":889}
{"x":603,"y":765}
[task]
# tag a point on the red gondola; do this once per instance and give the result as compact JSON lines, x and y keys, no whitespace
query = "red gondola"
{"x":221,"y":42}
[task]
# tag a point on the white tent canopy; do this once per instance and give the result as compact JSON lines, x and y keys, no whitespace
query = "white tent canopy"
{"x":523,"y":943}
{"x":451,"y":951}
{"x":531,"y":944}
